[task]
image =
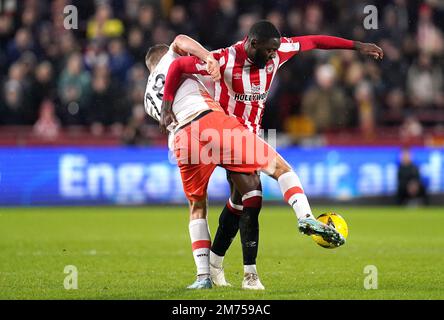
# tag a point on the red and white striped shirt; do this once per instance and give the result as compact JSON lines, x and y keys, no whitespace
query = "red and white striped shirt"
{"x":243,"y":88}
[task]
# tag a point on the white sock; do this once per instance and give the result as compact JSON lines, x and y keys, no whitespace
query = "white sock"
{"x":201,"y":243}
{"x":216,"y":260}
{"x":250,"y":268}
{"x":293,"y":193}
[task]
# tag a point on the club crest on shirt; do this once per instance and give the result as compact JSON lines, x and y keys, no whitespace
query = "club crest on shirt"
{"x":269,"y":68}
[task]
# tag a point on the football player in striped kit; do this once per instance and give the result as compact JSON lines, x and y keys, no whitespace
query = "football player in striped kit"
{"x":195,"y":119}
{"x":247,"y":70}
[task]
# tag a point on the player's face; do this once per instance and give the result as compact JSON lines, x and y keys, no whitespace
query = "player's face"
{"x":265,"y":51}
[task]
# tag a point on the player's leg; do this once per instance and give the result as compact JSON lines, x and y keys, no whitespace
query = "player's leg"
{"x":200,"y":242}
{"x":195,"y":177}
{"x":294,"y":195}
{"x":249,"y":186}
{"x":226,"y":232}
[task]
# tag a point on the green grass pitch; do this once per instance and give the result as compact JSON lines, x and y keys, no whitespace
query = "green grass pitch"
{"x":145,"y":253}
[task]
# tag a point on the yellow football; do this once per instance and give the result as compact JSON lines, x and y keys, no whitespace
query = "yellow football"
{"x":334,"y":220}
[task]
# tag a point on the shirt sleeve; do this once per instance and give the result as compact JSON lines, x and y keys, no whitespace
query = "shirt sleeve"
{"x":290,"y":46}
{"x":180,"y":66}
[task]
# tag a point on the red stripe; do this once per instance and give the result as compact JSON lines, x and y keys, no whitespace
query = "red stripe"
{"x":224,"y":97}
{"x":292,"y":191}
{"x":236,"y":83}
{"x":201,"y":244}
{"x":253,"y":202}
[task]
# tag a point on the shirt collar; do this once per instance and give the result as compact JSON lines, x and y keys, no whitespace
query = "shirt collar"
{"x":242,"y":52}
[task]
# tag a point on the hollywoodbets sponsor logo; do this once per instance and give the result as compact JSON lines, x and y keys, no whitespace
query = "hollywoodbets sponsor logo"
{"x":250,"y":97}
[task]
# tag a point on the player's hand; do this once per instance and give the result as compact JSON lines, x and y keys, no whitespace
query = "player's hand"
{"x":213,"y":67}
{"x":369,"y":49}
{"x":167,"y":116}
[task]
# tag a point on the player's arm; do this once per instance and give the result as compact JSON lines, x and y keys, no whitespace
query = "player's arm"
{"x":330,"y":42}
{"x":180,"y":66}
{"x":184,"y":45}
{"x":290,"y":46}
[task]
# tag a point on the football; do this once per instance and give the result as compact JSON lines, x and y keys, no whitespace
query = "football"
{"x":334,"y":220}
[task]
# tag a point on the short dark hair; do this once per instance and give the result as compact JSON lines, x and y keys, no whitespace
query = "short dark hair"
{"x":154,"y":52}
{"x":263,"y":30}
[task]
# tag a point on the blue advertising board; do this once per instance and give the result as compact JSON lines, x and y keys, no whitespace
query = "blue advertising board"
{"x":92,"y":176}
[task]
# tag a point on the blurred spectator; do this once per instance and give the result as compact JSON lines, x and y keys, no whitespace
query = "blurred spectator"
{"x":103,"y":25}
{"x":22,"y":42}
{"x":16,"y":97}
{"x":95,"y":55}
{"x":365,"y":102}
{"x":47,"y":126}
{"x":107,"y":106}
{"x":425,"y":82}
{"x":428,"y":35}
{"x":325,"y":103}
{"x":411,"y":190}
{"x":74,"y":90}
{"x":136,"y":131}
{"x":405,"y":89}
{"x":313,"y":19}
{"x":180,"y":22}
{"x":146,"y":18}
{"x":246,"y":20}
{"x":136,"y":44}
{"x":119,"y":59}
{"x":223,"y":24}
{"x":395,"y":104}
{"x":410,"y":129}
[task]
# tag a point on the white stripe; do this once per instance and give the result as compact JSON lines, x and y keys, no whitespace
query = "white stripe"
{"x":289,"y":46}
{"x":235,"y":206}
{"x":217,"y":84}
{"x":289,"y":180}
{"x":251,"y":194}
{"x":229,"y":79}
{"x":247,"y":90}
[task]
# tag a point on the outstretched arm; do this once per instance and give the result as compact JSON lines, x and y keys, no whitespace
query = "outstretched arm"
{"x":173,"y":80}
{"x":184,"y":45}
{"x":329,"y":42}
{"x":290,"y":46}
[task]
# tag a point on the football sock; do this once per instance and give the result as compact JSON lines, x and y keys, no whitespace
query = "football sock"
{"x":216,"y":260}
{"x":249,"y":226}
{"x":293,"y":193}
{"x":201,"y":243}
{"x":227,"y":229}
{"x":250,"y":268}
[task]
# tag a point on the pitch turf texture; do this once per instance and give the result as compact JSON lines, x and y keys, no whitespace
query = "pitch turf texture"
{"x":145,"y":253}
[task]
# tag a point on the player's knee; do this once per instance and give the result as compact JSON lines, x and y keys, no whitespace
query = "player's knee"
{"x":280,"y":170}
{"x":252,"y":199}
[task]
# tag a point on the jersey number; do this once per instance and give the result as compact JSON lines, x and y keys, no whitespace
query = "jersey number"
{"x":159,"y":82}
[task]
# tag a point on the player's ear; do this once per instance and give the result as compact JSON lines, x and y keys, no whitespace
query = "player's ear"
{"x":253,"y":43}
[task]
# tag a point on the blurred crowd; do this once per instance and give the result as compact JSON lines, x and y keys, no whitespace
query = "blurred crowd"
{"x":94,"y":76}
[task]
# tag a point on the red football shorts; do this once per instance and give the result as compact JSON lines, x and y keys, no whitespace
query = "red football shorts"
{"x":217,"y":139}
